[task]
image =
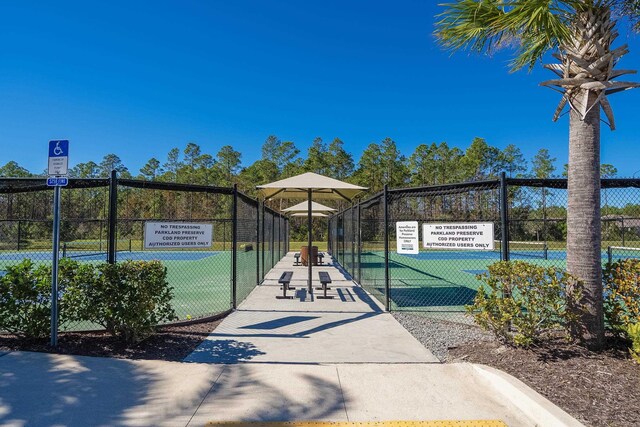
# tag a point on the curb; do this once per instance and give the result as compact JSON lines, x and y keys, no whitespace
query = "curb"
{"x":535,"y":406}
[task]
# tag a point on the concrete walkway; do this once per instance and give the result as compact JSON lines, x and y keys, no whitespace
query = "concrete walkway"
{"x":351,"y":328}
{"x":273,"y":360}
{"x":39,"y":389}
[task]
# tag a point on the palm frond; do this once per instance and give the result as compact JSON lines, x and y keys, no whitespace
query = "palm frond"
{"x":472,"y":25}
{"x":533,"y":26}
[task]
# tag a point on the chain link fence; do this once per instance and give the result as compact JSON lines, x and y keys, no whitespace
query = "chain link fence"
{"x":529,"y":224}
{"x":104,"y":220}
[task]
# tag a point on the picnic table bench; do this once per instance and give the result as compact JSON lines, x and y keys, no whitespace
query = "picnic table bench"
{"x":284,"y":280}
{"x":325,"y":279}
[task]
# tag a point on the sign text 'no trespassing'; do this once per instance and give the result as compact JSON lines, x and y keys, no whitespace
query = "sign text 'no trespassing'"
{"x":177,"y":235}
{"x":458,"y":236}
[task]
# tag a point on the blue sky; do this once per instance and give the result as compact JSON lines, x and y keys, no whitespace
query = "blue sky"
{"x":138,"y":78}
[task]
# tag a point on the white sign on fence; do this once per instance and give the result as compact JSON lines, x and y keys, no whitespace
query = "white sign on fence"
{"x":177,"y":235}
{"x":407,"y":241}
{"x":476,"y":236}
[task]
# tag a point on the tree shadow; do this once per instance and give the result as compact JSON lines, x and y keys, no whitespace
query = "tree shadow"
{"x":53,"y":389}
{"x":226,"y":351}
{"x":283,"y":396}
{"x":558,"y":349}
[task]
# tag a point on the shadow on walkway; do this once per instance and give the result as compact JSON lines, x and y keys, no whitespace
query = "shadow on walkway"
{"x":243,"y":393}
{"x":46,"y":389}
{"x":224,"y":351}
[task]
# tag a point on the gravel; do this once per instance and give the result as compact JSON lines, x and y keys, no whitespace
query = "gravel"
{"x":440,"y":335}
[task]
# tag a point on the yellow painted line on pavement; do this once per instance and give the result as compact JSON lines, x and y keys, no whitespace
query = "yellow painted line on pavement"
{"x":468,"y":423}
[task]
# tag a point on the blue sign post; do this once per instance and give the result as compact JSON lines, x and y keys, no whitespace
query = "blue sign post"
{"x":57,"y":181}
{"x":58,"y":169}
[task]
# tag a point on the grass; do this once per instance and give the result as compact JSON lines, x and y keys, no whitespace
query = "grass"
{"x":295,"y":246}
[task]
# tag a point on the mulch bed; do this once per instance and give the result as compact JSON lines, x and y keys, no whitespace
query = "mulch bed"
{"x":599,"y":389}
{"x":171,"y":342}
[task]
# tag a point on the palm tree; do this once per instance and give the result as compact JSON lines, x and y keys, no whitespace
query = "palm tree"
{"x":580,"y":35}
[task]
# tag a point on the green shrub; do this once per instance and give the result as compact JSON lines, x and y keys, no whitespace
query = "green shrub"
{"x":25,"y":300}
{"x":25,"y":296}
{"x":622,"y":294}
{"x":522,"y":303}
{"x":73,"y":278}
{"x":633,"y":333}
{"x":622,"y":301}
{"x":128,"y":299}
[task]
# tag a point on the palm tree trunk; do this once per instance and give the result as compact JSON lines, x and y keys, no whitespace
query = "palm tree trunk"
{"x":583,"y":218}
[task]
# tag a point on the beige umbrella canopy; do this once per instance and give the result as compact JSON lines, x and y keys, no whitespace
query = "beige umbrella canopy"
{"x":303,"y":207}
{"x":310,"y":186}
{"x":313,"y":214}
{"x":322,"y":187}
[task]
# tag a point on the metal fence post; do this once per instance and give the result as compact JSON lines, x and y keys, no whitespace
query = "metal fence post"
{"x":54,"y":267}
{"x":258,"y":243}
{"x":310,"y":241}
{"x":20,"y":234}
{"x":113,"y":217}
{"x":342,"y":249}
{"x":286,"y":235}
{"x":353,"y":243}
{"x":263,"y":240}
{"x":329,"y":235}
{"x":279,"y":237}
{"x":273,"y":240}
{"x":387,"y":285}
{"x":544,"y":214}
{"x":504,"y":217}
{"x":359,"y":243}
{"x":234,"y":249}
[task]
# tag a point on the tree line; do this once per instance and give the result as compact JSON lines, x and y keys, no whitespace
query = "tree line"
{"x":380,"y":163}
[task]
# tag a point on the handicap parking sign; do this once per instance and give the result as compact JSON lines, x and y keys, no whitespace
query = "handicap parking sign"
{"x":58,"y":157}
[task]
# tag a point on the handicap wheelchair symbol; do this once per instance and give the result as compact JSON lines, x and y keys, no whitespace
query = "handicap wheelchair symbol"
{"x":57,"y":150}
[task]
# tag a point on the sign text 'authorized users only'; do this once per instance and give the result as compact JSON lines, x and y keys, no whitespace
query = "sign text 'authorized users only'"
{"x":458,"y":236}
{"x":177,"y":235}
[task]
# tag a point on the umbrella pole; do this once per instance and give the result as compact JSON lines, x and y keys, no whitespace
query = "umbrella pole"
{"x":309,"y":251}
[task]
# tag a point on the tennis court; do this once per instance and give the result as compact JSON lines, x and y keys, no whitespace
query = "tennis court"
{"x":445,"y":281}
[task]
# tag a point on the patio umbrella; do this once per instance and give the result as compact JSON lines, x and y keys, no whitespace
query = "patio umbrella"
{"x":303,"y":207}
{"x":313,"y":214}
{"x":310,"y":186}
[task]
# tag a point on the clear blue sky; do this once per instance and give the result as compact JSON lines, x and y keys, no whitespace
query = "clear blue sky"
{"x":138,"y":78}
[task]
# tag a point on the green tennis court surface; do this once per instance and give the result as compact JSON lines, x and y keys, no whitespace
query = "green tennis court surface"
{"x":443,"y":281}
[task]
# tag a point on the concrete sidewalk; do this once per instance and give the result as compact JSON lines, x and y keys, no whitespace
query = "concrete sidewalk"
{"x":351,"y":328}
{"x":38,"y":389}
